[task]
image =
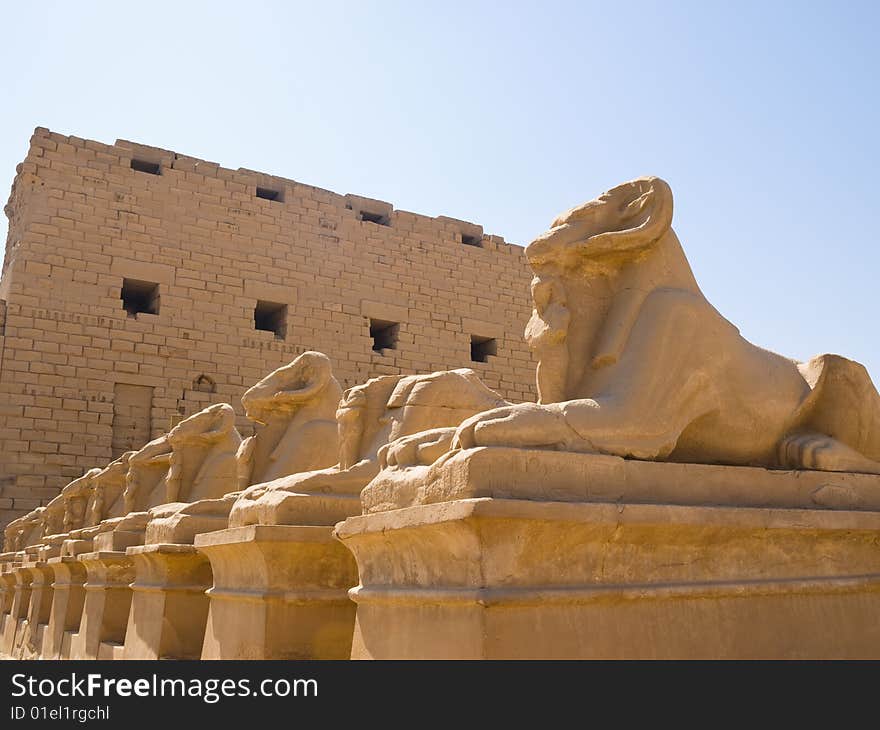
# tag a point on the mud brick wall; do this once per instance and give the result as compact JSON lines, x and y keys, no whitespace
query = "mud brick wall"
{"x":140,"y":285}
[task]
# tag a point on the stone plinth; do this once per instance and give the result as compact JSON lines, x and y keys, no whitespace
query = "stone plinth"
{"x":68,"y":597}
{"x":51,"y":548}
{"x":280,"y":592}
{"x":169,"y":607}
{"x":7,"y":590}
{"x":182,"y":528}
{"x":609,"y":558}
{"x":39,"y":610}
{"x":557,"y":476}
{"x":117,"y":540}
{"x":73,"y":547}
{"x":18,"y":610}
{"x":108,"y":599}
{"x":101,"y":538}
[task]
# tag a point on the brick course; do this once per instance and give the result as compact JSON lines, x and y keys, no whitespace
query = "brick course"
{"x":81,"y":220}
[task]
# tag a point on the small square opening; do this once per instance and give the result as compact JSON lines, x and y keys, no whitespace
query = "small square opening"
{"x":377,"y":218}
{"x":151,"y":168}
{"x":139,"y":297}
{"x":384,"y":334}
{"x":271,"y":317}
{"x":270,"y":194}
{"x":468,"y":240}
{"x":482,"y":347}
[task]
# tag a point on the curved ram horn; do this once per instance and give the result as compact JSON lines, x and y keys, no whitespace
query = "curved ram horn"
{"x":645,"y":206}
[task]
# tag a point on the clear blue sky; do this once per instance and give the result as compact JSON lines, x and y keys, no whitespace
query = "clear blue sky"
{"x":762,"y":116}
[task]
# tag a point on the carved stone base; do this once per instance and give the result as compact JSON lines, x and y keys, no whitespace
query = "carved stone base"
{"x":169,"y":607}
{"x":68,"y":597}
{"x":7,"y":589}
{"x":558,"y":476}
{"x":72,"y":547}
{"x":39,"y":610}
{"x":181,"y":528}
{"x":611,"y":578}
{"x":17,"y":619}
{"x":117,"y":540}
{"x":50,"y":549}
{"x":107,"y":603}
{"x":8,"y":559}
{"x":282,"y":507}
{"x":280,"y":592}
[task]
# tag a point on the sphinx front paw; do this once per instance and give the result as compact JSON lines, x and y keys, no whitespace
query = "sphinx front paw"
{"x":523,"y":425}
{"x":419,"y":449}
{"x":820,"y":452}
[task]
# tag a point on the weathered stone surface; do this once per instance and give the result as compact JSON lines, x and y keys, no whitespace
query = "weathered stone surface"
{"x":280,"y":592}
{"x":68,"y":598}
{"x":569,"y":477}
{"x":107,"y":603}
{"x":169,"y":607}
{"x":520,"y":579}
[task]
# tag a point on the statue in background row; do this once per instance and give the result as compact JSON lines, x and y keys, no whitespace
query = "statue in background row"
{"x":294,"y":409}
{"x":369,"y":417}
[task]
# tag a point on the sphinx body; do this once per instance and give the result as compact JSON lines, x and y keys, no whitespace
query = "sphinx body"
{"x":99,"y":504}
{"x":107,"y":500}
{"x":10,"y":536}
{"x":370,"y":416}
{"x":294,"y":408}
{"x":202,"y":463}
{"x":294,"y":411}
{"x":66,"y":513}
{"x":54,"y":517}
{"x":194,"y":463}
{"x":77,"y":496}
{"x":635,"y":362}
{"x":23,"y":531}
{"x":144,"y":478}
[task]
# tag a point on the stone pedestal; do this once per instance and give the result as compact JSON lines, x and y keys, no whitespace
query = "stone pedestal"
{"x":108,"y":599}
{"x":280,"y":592}
{"x":7,"y":589}
{"x":169,"y":607}
{"x":39,"y":610}
{"x":630,"y":560}
{"x":51,"y":548}
{"x":17,"y":618}
{"x":68,"y":597}
{"x":117,"y":540}
{"x":73,"y":547}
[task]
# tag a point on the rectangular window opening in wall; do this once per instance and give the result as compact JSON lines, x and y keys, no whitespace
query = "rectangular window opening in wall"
{"x":384,"y":334}
{"x":271,"y":317}
{"x":270,"y":194}
{"x":152,"y":168}
{"x":377,"y":218}
{"x":482,"y":347}
{"x":468,"y":240}
{"x":139,"y":296}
